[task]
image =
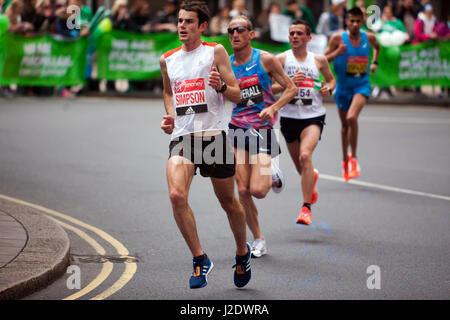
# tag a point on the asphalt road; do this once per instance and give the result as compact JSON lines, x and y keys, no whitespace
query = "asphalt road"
{"x":102,"y":161}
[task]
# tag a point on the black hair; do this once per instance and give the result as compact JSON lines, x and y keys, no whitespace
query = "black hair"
{"x":356,"y":11}
{"x":305,"y":23}
{"x":197,"y":6}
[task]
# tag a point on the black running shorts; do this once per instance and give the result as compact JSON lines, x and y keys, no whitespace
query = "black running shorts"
{"x":291,"y":128}
{"x":213,"y":155}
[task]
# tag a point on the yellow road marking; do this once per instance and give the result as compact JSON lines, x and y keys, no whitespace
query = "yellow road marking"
{"x":106,"y":268}
{"x":130,"y":267}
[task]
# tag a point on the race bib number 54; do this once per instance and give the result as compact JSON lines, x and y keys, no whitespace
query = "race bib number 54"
{"x":190,"y":97}
{"x":304,"y":92}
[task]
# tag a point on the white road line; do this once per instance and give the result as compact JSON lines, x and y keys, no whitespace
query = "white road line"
{"x":383,"y":187}
{"x":405,"y":120}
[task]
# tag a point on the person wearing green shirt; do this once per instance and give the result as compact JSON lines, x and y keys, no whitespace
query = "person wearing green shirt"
{"x":298,"y":12}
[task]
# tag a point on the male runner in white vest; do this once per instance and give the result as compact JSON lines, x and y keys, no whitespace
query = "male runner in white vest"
{"x":196,"y":76}
{"x":302,"y":119}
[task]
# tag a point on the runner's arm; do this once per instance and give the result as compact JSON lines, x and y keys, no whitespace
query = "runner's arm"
{"x":167,"y":88}
{"x":276,"y":87}
{"x":273,"y":67}
{"x":324,"y":68}
{"x":223,"y":63}
{"x":335,"y":47}
{"x":376,"y":51}
{"x":168,"y":122}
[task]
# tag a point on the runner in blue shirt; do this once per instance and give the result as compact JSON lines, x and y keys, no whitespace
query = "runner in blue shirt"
{"x":350,"y":51}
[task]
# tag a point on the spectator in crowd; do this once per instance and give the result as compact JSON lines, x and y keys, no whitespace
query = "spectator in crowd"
{"x":167,"y":19}
{"x":238,"y":9}
{"x":46,"y":15}
{"x":443,"y":29}
{"x":299,"y":12}
{"x":65,"y":29}
{"x":62,"y":27}
{"x":120,"y":16}
{"x":425,"y":27}
{"x":36,"y":14}
{"x":2,"y":3}
{"x":14,"y":13}
{"x":392,"y":31}
{"x":263,"y":22}
{"x":86,"y":14}
{"x":333,"y":20}
{"x":407,"y":13}
{"x":140,"y":15}
{"x":219,"y":23}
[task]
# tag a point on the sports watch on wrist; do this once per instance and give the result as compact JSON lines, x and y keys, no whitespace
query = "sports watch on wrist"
{"x":222,"y":90}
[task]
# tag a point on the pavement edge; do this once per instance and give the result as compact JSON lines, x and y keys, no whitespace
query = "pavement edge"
{"x":43,"y":259}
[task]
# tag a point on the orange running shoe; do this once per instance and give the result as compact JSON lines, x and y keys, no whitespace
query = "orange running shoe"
{"x":355,"y":170}
{"x":304,"y":217}
{"x":315,"y":194}
{"x":345,"y":172}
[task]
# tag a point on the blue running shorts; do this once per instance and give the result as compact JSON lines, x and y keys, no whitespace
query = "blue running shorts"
{"x":344,"y":96}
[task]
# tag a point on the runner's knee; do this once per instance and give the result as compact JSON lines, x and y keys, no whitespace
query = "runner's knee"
{"x":244,"y":192}
{"x":177,"y":197}
{"x":228,"y":203}
{"x":305,"y":158}
{"x":352,"y":120}
{"x":259,"y":192}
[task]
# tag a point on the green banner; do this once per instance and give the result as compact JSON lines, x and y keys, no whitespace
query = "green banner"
{"x":426,"y":63}
{"x":42,"y":60}
{"x":48,"y":61}
{"x":132,"y":56}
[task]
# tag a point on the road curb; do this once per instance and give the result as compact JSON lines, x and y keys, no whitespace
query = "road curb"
{"x":44,"y":258}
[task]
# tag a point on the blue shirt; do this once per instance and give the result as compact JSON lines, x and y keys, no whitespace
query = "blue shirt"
{"x":352,"y":67}
{"x":256,"y":92}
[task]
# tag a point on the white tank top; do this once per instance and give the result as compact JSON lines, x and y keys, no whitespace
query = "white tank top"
{"x":308,"y":101}
{"x":198,"y":107}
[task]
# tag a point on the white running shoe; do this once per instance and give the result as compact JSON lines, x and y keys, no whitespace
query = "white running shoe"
{"x":277,"y":178}
{"x":259,"y":248}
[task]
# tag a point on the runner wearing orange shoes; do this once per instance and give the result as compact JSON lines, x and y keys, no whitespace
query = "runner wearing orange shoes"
{"x":350,"y":51}
{"x":302,"y":119}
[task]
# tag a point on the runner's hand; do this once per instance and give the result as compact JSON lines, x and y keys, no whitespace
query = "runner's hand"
{"x":324,"y":90}
{"x":167,"y":124}
{"x":342,"y":48}
{"x":373,"y":68}
{"x":298,"y":77}
{"x":214,"y":79}
{"x":267,"y":114}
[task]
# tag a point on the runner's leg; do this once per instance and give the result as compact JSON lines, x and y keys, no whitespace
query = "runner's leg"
{"x":309,"y":138}
{"x":179,"y":174}
{"x":243,"y":171}
{"x":344,"y":134}
{"x":358,"y":102}
{"x":261,"y":175}
{"x":224,"y":190}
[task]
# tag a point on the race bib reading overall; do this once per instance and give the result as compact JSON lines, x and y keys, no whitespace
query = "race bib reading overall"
{"x":251,"y":92}
{"x":190,"y":97}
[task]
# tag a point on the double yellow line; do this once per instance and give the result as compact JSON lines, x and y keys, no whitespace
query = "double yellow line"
{"x":130,"y":266}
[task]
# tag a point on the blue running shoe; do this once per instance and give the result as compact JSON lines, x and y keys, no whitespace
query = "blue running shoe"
{"x":200,"y":273}
{"x":243,"y":272}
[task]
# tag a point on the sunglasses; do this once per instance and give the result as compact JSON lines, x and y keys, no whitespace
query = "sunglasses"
{"x":292,"y":33}
{"x":238,"y":29}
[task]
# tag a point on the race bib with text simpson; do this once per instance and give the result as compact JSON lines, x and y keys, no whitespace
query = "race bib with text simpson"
{"x":190,"y":97}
